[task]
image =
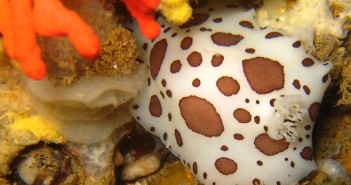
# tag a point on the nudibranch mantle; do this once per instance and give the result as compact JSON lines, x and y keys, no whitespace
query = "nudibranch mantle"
{"x":214,"y":87}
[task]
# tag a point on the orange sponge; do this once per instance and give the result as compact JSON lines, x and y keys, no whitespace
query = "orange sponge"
{"x":143,"y":12}
{"x":21,"y":22}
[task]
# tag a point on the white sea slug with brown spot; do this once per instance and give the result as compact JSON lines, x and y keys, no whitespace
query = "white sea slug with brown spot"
{"x":236,"y":103}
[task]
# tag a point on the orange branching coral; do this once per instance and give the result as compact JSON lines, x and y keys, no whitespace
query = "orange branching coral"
{"x":143,"y":12}
{"x":22,"y":19}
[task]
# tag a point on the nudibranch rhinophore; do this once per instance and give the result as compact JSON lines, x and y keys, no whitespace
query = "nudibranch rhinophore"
{"x":235,"y":102}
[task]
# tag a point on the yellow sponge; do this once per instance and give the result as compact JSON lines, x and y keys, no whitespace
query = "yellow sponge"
{"x":39,"y":128}
{"x":176,"y":11}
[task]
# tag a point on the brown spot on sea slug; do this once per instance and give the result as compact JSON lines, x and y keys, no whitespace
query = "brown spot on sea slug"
{"x":313,"y":110}
{"x":226,"y":166}
{"x":238,"y":136}
{"x":178,"y":137}
{"x":194,"y":59}
{"x":263,"y":74}
{"x":175,"y":66}
{"x":158,"y":53}
{"x":226,"y":39}
{"x":242,"y":115}
{"x":307,"y":62}
{"x":201,"y":116}
{"x":228,"y":86}
{"x":186,"y":43}
{"x":272,"y":35}
{"x":307,"y":153}
{"x":155,"y":107}
{"x":269,"y":146}
{"x":217,"y":60}
{"x":196,"y":82}
{"x":197,"y":19}
{"x":246,"y":24}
